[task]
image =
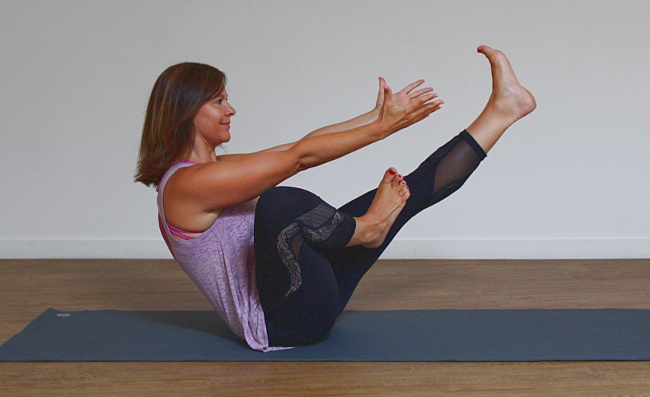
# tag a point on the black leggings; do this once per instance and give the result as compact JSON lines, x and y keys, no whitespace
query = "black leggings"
{"x":304,"y":273}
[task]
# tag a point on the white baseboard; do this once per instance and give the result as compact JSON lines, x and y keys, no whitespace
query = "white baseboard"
{"x":605,"y":248}
{"x":602,"y":248}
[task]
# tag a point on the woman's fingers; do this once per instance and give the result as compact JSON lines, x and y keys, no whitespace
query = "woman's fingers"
{"x":411,"y":87}
{"x":426,"y":109}
{"x":424,"y":100}
{"x":423,"y":112}
{"x":409,"y":105}
{"x":407,"y":92}
{"x":421,"y":92}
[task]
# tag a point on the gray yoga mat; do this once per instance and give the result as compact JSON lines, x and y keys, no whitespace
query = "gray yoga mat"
{"x":401,"y":335}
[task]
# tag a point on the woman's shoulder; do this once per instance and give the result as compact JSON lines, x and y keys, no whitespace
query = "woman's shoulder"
{"x":171,"y":171}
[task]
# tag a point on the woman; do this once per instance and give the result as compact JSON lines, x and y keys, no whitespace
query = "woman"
{"x":278,"y":263}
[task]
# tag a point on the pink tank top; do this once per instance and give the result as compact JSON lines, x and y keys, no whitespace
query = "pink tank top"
{"x":221,"y":262}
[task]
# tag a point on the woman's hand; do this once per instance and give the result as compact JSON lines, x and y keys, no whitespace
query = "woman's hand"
{"x":406,"y":107}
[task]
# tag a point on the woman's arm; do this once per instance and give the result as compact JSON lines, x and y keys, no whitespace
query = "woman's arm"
{"x":223,"y":183}
{"x":358,"y":121}
{"x":194,"y":195}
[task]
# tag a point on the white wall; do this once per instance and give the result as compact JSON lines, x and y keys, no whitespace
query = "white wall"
{"x":570,"y":181}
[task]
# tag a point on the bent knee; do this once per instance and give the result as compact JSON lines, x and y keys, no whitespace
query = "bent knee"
{"x":289,"y":198}
{"x":285,"y":202}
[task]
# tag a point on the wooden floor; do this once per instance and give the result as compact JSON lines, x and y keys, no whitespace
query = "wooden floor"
{"x":27,"y":287}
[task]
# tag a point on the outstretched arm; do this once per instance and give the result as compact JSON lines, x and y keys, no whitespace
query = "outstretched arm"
{"x":392,"y":113}
{"x":223,"y":183}
{"x":372,"y":115}
{"x":356,"y":122}
{"x":195,"y":195}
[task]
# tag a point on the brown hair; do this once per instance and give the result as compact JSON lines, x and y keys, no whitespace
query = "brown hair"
{"x":168,"y":131}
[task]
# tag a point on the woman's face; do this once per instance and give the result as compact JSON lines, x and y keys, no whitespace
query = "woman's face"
{"x":212,"y":121}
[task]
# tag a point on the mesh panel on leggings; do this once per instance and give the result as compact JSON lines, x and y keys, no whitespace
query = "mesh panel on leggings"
{"x":454,"y":169}
{"x":313,"y":227}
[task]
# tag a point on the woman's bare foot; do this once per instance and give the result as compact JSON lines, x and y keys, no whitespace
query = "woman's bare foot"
{"x":391,"y":196}
{"x":507,"y":94}
{"x":509,"y":101}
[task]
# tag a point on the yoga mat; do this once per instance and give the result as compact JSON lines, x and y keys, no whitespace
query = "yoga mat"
{"x":402,"y":335}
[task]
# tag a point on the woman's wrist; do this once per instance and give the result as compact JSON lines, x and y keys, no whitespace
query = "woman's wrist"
{"x":373,"y":115}
{"x":379,"y":128}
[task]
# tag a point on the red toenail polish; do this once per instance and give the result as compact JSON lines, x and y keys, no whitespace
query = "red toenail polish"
{"x":392,"y":172}
{"x":399,"y":175}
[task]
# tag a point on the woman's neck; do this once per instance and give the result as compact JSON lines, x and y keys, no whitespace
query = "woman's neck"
{"x":201,"y":153}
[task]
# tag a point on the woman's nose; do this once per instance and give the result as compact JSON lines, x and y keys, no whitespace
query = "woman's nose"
{"x":231,"y":110}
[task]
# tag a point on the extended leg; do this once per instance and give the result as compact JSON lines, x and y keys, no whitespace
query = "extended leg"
{"x":443,"y":172}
